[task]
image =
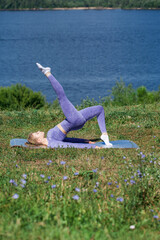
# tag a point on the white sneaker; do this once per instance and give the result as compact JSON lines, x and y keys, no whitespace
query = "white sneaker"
{"x":43,"y":69}
{"x":105,"y":139}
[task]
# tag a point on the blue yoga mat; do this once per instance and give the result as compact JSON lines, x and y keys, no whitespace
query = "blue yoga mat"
{"x":17,"y":142}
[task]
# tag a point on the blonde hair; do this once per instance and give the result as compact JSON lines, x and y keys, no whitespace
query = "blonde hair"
{"x":32,"y":139}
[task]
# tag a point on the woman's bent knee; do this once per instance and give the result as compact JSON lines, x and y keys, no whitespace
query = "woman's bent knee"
{"x":101,"y":109}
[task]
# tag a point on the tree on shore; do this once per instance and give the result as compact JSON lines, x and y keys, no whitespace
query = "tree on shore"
{"x":30,"y":4}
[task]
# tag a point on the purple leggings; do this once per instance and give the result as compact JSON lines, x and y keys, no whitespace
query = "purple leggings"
{"x":74,"y":119}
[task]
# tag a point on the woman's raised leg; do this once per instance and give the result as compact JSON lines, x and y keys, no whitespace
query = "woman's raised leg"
{"x":72,"y":115}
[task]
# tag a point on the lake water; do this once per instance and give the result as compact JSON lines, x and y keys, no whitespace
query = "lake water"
{"x":88,"y":50}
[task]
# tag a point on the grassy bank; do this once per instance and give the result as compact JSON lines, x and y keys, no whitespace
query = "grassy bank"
{"x":106,"y":193}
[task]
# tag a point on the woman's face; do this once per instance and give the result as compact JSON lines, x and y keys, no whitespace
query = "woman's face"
{"x":39,"y":135}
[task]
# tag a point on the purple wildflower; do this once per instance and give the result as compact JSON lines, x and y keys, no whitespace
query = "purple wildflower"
{"x":49,"y":177}
{"x":132,"y":181}
{"x":111,"y":195}
{"x":12,"y":181}
{"x":62,"y":162}
{"x":23,"y":181}
{"x":155,"y":216}
{"x":46,"y":181}
{"x":140,"y":175}
{"x":77,"y":189}
{"x":117,"y":186}
{"x":24,"y":176}
{"x":151,"y":210}
{"x":97,"y":184}
{"x":50,"y":161}
{"x":124,"y":157}
{"x":48,"y":164}
{"x":42,"y":176}
{"x":17,"y":166}
{"x":120,"y":199}
{"x":94,"y":190}
{"x":65,"y":177}
{"x":22,"y":185}
{"x":125,"y":180}
{"x":53,"y":186}
{"x":76,"y":173}
{"x":95,"y":170}
{"x":75,"y":197}
{"x":109,"y":183}
{"x":15,"y":196}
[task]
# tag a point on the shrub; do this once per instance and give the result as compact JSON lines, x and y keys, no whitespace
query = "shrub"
{"x":18,"y":97}
{"x":157,"y":95}
{"x":88,"y":103}
{"x":143,"y":96}
{"x":123,"y":95}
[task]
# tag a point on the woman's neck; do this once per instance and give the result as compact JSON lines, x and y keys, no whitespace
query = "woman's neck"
{"x":45,"y":141}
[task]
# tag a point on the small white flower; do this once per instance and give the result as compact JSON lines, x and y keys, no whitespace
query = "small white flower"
{"x":132,"y":227}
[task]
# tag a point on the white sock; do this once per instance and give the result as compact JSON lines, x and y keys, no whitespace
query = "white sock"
{"x":105,"y":139}
{"x":43,"y":69}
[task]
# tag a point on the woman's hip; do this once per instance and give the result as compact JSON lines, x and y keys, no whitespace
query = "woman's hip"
{"x":55,"y":134}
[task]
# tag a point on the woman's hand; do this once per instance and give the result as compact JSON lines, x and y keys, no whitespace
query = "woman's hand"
{"x":91,"y":142}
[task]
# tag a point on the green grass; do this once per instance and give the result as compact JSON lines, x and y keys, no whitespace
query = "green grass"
{"x":132,"y":176}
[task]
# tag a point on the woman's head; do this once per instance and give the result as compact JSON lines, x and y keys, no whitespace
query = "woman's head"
{"x":36,"y":138}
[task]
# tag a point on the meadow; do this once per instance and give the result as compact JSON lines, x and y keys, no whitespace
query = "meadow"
{"x":81,"y":193}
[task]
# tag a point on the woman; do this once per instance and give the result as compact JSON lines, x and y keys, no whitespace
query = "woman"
{"x":56,"y":137}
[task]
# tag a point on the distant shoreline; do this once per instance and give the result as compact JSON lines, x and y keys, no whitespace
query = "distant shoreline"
{"x":77,"y":8}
